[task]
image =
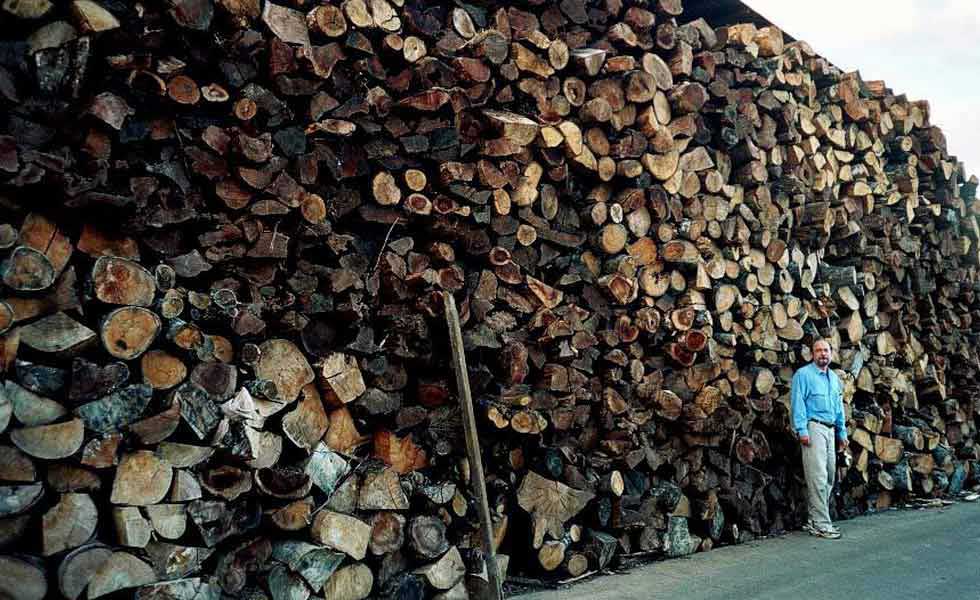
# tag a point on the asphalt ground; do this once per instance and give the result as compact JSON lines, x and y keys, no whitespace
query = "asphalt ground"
{"x":928,"y":553}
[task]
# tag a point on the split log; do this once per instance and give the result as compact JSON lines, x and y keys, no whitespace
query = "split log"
{"x":69,"y":524}
{"x":282,"y":363}
{"x":308,"y":422}
{"x":141,"y":479}
{"x":168,"y":520}
{"x":515,"y":128}
{"x":127,"y":332}
{"x":427,"y":536}
{"x":341,"y":375}
{"x":342,"y":532}
{"x":551,"y":555}
{"x":911,"y":436}
{"x":22,"y":579}
{"x":181,"y":589}
{"x":27,"y":270}
{"x":550,"y":504}
{"x":50,"y":442}
{"x":57,"y":334}
{"x":353,"y":582}
{"x":889,"y":450}
{"x":78,"y":567}
{"x":387,"y":532}
{"x":32,"y":409}
{"x":120,"y":571}
{"x":446,"y":572}
{"x":18,"y":499}
{"x":15,"y":466}
{"x":116,"y":410}
{"x":162,"y":370}
{"x":601,"y":549}
{"x":132,"y":528}
{"x":92,"y":17}
{"x":121,"y":281}
{"x":294,"y":516}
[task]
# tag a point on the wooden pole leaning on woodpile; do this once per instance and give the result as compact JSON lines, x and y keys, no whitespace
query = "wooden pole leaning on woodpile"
{"x":473,"y":453}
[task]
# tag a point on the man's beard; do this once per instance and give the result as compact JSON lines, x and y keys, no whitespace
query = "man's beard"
{"x":823,"y":362}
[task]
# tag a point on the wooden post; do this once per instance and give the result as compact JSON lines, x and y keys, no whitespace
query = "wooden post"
{"x":472,"y":445}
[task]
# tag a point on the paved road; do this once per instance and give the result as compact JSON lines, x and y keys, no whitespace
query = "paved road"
{"x":932,"y":553}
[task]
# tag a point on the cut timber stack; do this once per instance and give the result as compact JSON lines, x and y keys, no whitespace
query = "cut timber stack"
{"x":225,"y":231}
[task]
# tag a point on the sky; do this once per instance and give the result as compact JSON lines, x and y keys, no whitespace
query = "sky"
{"x":926,"y":49}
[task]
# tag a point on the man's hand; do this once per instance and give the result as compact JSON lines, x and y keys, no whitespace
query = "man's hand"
{"x":805,"y":440}
{"x":841,"y":445}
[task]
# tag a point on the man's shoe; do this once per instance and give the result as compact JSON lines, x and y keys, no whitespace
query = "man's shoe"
{"x":809,"y":528}
{"x":829,"y":534}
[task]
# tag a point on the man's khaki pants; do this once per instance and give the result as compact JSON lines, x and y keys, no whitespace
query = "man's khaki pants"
{"x":819,"y":467}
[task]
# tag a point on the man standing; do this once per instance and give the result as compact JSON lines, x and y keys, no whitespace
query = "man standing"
{"x":818,"y":411}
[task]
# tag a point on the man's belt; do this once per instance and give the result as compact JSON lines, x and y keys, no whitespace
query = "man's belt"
{"x":824,"y":423}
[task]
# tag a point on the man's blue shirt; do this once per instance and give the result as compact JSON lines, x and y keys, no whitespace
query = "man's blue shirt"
{"x":817,"y":395}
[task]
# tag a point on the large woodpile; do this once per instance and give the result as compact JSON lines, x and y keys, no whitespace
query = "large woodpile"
{"x":226,"y":231}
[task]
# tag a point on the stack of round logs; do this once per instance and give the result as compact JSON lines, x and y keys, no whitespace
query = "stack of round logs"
{"x":225,"y":231}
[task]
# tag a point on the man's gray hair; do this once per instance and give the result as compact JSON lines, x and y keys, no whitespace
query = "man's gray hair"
{"x":814,"y":343}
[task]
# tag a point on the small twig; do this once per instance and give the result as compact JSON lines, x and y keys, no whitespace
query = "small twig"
{"x":275,"y":233}
{"x":530,"y":581}
{"x":383,"y":245}
{"x":310,"y":229}
{"x":641,"y":554}
{"x":585,"y":575}
{"x":180,"y":142}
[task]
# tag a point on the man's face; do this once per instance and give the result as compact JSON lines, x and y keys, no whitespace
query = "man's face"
{"x":821,"y":354}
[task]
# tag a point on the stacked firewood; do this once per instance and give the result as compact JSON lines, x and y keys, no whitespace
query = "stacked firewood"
{"x":226,"y":227}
